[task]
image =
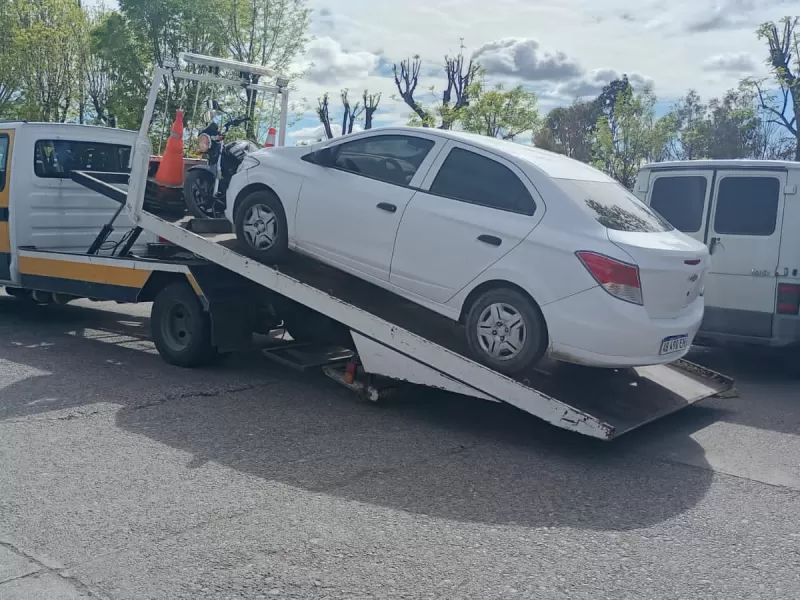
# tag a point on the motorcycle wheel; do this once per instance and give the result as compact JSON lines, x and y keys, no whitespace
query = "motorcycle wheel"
{"x":198,"y":188}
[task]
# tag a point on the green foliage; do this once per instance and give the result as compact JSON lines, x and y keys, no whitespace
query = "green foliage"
{"x":629,"y":137}
{"x":570,"y":130}
{"x":501,"y":113}
{"x":60,"y":61}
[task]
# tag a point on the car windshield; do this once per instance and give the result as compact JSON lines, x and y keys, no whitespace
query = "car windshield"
{"x":613,"y":206}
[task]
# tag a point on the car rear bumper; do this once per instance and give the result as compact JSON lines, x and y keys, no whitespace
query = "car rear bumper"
{"x":594,"y":328}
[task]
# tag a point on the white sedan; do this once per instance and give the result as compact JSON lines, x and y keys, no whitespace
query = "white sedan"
{"x":532,"y":252}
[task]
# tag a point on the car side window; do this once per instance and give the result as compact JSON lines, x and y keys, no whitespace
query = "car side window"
{"x":747,"y":205}
{"x":473,"y":178}
{"x":681,"y":200}
{"x":390,"y":158}
{"x":3,"y":160}
{"x":55,"y":159}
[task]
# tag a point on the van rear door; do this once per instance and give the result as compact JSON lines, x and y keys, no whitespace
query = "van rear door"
{"x":682,"y":198}
{"x":744,"y":238}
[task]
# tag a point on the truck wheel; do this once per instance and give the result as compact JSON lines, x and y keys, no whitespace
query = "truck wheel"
{"x":261,"y":227}
{"x":180,"y":327}
{"x":506,"y":331}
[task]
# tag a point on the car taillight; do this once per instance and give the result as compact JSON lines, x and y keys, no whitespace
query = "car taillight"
{"x":788,"y":299}
{"x":618,"y":278}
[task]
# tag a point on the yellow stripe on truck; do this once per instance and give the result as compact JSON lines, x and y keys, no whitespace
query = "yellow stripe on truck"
{"x":5,"y":240}
{"x":83,"y":271}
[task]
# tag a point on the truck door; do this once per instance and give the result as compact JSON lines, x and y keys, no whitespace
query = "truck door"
{"x":744,"y":238}
{"x":6,"y":143}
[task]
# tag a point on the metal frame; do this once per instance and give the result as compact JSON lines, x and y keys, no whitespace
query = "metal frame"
{"x":142,"y":150}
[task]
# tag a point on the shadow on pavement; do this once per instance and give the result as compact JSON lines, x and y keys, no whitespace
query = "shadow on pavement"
{"x":768,"y":383}
{"x":426,"y":452}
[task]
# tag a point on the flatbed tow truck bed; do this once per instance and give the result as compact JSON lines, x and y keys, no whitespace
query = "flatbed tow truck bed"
{"x":403,"y":342}
{"x":388,"y":338}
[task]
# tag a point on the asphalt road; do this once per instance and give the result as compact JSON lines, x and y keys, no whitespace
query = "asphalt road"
{"x":122,"y":477}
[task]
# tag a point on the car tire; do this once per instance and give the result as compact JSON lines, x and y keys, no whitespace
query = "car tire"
{"x":181,"y":328}
{"x":505,"y":310}
{"x":260,"y":218}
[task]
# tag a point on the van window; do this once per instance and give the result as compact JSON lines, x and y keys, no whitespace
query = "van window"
{"x":681,"y":200}
{"x":57,"y":158}
{"x":747,"y":205}
{"x":613,"y":206}
{"x":3,"y":160}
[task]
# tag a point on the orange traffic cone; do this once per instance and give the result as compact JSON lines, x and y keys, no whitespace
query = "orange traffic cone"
{"x":270,"y":138}
{"x":170,"y":169}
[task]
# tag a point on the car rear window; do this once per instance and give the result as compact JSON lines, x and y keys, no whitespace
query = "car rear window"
{"x":613,"y":206}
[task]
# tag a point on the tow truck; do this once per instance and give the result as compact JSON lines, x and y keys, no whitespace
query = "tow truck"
{"x":208,"y":299}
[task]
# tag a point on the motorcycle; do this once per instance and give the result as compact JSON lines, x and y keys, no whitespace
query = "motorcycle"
{"x":205,"y":185}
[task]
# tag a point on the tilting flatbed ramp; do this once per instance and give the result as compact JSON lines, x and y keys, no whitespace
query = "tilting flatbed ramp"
{"x":398,"y":339}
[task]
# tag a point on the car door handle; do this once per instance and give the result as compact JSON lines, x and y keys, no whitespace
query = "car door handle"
{"x":490,"y":239}
{"x":387,"y":207}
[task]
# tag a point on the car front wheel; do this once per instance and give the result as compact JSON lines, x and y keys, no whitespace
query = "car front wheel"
{"x":261,"y":229}
{"x":505,"y":331}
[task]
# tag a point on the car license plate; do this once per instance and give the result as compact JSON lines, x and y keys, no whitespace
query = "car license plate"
{"x":675,"y":343}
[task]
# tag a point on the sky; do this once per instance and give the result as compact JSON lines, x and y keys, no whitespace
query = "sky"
{"x":561,"y":49}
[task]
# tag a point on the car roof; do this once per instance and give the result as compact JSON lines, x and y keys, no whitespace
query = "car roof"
{"x":551,"y":164}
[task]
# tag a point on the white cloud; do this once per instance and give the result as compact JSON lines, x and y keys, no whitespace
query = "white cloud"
{"x":593,"y":82}
{"x":741,"y":63}
{"x":330,"y":64}
{"x":522,"y":58}
{"x":559,"y":48}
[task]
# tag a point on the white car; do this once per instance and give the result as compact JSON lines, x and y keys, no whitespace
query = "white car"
{"x":534,"y":253}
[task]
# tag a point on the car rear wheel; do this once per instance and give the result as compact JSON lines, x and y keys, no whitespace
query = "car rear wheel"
{"x":505,"y":331}
{"x":261,"y":229}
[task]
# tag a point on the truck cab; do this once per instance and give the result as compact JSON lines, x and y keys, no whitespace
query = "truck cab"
{"x":748,"y":214}
{"x":40,"y":206}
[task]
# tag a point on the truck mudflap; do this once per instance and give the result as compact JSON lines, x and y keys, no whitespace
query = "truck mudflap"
{"x":600,"y":403}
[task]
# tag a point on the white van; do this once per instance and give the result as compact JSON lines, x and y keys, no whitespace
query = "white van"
{"x":748,"y":213}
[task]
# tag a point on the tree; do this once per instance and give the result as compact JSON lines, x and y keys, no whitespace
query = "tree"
{"x":266,"y":32}
{"x":9,"y":62}
{"x":691,"y":129}
{"x":502,"y":113}
{"x":455,"y":97}
{"x":350,"y":113}
{"x":606,"y":101}
{"x":733,"y":125}
{"x":46,"y":43}
{"x":784,"y":62}
{"x":630,"y":137}
{"x":116,"y":72}
{"x":570,"y":130}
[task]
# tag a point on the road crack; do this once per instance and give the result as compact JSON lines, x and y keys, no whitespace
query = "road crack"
{"x":46,"y":567}
{"x":199,"y":394}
